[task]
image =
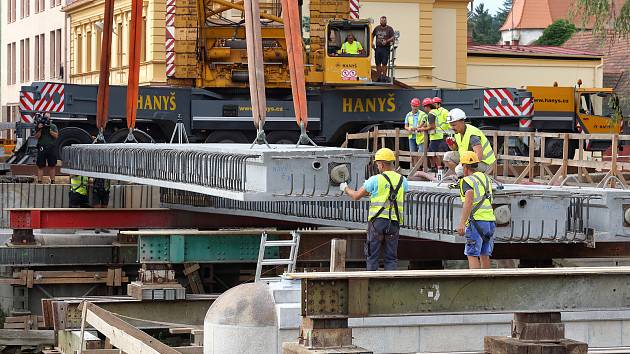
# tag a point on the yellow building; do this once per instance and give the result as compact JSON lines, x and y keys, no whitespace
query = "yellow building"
{"x":433,"y":39}
{"x":85,"y":18}
{"x":521,"y":66}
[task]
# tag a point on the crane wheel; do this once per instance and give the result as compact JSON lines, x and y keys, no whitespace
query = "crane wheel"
{"x":72,"y":135}
{"x":121,"y":135}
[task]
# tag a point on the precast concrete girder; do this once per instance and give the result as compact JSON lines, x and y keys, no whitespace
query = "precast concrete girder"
{"x":401,"y":293}
{"x":233,"y":171}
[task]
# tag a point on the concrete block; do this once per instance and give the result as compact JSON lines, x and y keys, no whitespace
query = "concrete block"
{"x":289,"y":316}
{"x":286,"y":296}
{"x":625,"y":333}
{"x":458,"y":338}
{"x":388,"y":339}
{"x":237,"y":339}
{"x":286,"y":336}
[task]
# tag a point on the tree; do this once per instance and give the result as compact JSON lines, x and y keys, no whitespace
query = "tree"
{"x":603,"y":15}
{"x":483,"y":26}
{"x":503,"y":13}
{"x":557,"y":33}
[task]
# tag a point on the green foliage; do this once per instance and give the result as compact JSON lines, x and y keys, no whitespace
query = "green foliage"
{"x":602,"y":15}
{"x":484,"y":27}
{"x":503,"y":12}
{"x":557,"y":33}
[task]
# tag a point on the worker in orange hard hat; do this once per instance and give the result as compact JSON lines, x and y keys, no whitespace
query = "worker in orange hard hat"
{"x":387,"y":195}
{"x":433,"y":128}
{"x":414,"y":120}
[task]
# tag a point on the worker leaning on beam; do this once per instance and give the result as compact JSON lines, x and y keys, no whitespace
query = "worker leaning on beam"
{"x":413,"y":120}
{"x":477,"y":222}
{"x":442,"y":112}
{"x":387,"y":194}
{"x":468,"y":138}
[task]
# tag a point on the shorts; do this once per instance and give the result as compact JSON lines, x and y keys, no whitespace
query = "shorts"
{"x":438,"y":146}
{"x":46,"y":155}
{"x":100,"y":197}
{"x":415,"y":147}
{"x":79,"y":200}
{"x":453,"y":156}
{"x":381,"y":55}
{"x":480,"y":244}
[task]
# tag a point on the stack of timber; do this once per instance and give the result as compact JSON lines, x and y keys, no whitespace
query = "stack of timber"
{"x":25,"y":322}
{"x":29,"y":277}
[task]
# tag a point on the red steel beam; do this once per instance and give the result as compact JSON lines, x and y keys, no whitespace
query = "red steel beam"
{"x":62,"y":218}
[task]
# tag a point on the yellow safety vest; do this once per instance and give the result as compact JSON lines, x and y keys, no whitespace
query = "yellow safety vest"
{"x":380,"y":205}
{"x":436,"y":134}
{"x":480,"y":183}
{"x":422,"y":118}
{"x":463,"y":144}
{"x":444,"y":126}
{"x":351,"y":48}
{"x":79,"y":184}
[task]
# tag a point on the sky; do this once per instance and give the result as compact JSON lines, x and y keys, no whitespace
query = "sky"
{"x":492,"y":5}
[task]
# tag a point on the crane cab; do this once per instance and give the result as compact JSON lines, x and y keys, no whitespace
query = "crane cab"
{"x":344,"y":64}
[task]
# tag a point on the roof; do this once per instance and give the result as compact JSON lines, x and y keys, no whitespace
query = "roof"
{"x":539,"y":14}
{"x":540,"y":51}
{"x":616,"y":49}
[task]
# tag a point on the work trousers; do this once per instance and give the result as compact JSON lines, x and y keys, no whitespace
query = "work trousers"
{"x":382,"y":233}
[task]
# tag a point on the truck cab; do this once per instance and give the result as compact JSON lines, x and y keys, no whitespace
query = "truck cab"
{"x":341,"y":67}
{"x":595,"y":116}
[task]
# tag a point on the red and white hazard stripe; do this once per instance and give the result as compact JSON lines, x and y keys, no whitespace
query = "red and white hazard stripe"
{"x":354,"y":9}
{"x":500,"y":103}
{"x":51,"y":98}
{"x":27,"y":100}
{"x":525,"y":123}
{"x":170,"y":37}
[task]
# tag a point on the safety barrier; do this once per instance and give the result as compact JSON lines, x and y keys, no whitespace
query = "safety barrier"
{"x":539,"y":166}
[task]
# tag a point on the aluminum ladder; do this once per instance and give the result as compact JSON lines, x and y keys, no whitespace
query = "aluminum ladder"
{"x":290,"y":262}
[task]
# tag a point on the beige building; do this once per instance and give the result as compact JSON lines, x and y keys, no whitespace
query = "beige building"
{"x":501,"y":66}
{"x":85,"y":18}
{"x":433,"y":36}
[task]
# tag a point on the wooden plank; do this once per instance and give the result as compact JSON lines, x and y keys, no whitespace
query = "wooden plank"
{"x":530,"y":167}
{"x":189,"y":350}
{"x":19,"y":337}
{"x":337,"y":255}
{"x":70,"y":341}
{"x":29,"y":279}
{"x":119,"y":278}
{"x":102,"y":351}
{"x":123,"y":335}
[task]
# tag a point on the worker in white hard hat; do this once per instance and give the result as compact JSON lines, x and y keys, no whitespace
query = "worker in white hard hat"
{"x":477,"y":222}
{"x":467,"y":138}
{"x":387,"y":196}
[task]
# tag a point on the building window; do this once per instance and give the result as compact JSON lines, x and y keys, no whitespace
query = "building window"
{"x":79,"y":52}
{"x":25,"y":7}
{"x":25,"y":60}
{"x":11,"y":67}
{"x":119,"y":45}
{"x":143,"y":50}
{"x":11,"y":11}
{"x":40,"y":56}
{"x":54,"y":3}
{"x":88,"y":52}
{"x":99,"y":44}
{"x":58,"y":61}
{"x":39,"y":6}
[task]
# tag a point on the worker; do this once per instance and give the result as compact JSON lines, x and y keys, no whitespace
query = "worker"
{"x":436,"y":136}
{"x":444,"y":126}
{"x":350,"y":46}
{"x":46,"y":133}
{"x":477,"y":222}
{"x":383,"y":37}
{"x":100,"y":192}
{"x":79,"y":192}
{"x":413,"y":120}
{"x":387,"y":190}
{"x":468,"y":138}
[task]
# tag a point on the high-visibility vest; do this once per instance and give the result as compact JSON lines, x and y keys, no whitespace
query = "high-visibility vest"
{"x":463,"y":144}
{"x":79,"y":184}
{"x":351,"y":48}
{"x":436,"y":134}
{"x":380,"y":204}
{"x":444,"y":126}
{"x":422,"y":118}
{"x":480,"y":183}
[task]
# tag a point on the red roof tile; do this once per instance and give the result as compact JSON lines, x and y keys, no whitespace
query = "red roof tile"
{"x":531,"y":50}
{"x":616,"y":49}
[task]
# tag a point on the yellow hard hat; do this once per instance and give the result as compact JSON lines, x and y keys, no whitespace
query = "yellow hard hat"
{"x":384,"y":154}
{"x":468,"y":158}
